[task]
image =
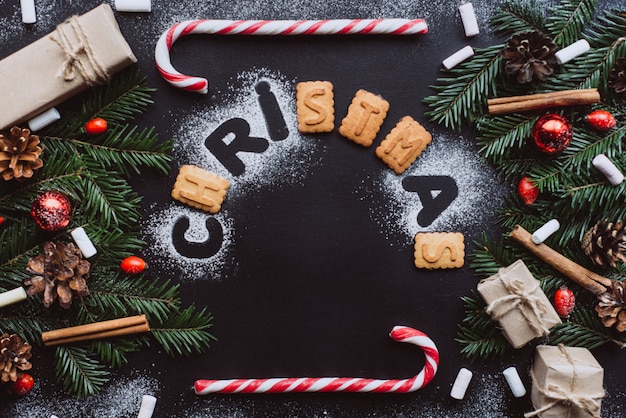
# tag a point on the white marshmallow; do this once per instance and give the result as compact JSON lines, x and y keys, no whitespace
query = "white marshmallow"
{"x":606,"y":167}
{"x":84,"y":243}
{"x":572,"y":51}
{"x":468,"y":17}
{"x":458,"y":57}
{"x":514,"y":381}
{"x":28,"y":11}
{"x":148,"y":403}
{"x":545,"y":231}
{"x":12,"y":296}
{"x":133,"y":5}
{"x":44,"y":119}
{"x":461,"y":383}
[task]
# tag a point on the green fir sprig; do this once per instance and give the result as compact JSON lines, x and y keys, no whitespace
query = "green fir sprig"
{"x":94,"y":172}
{"x":571,"y":189}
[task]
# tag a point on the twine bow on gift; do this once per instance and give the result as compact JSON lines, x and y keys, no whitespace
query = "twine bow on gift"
{"x":590,"y":404}
{"x":519,"y":298}
{"x":79,"y":55}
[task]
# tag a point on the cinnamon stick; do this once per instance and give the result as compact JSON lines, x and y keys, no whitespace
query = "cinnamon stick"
{"x":591,"y":281}
{"x":96,"y":330}
{"x":513,"y":104}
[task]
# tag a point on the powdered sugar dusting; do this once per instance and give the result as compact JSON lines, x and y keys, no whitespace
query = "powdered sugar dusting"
{"x":120,"y":399}
{"x":162,"y":250}
{"x":479,"y":191}
{"x":284,"y":162}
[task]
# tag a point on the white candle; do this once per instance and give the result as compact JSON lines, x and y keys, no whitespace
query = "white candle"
{"x":545,"y":231}
{"x":468,"y":17}
{"x":84,"y":243}
{"x":572,"y":51}
{"x":461,"y":383}
{"x":606,"y":167}
{"x":458,"y":57}
{"x":44,"y":119}
{"x":148,"y":403}
{"x":12,"y":296}
{"x":514,"y":381}
{"x":28,"y":11}
{"x":133,"y":5}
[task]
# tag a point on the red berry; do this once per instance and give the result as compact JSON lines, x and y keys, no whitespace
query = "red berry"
{"x":96,"y":126}
{"x":527,"y":190}
{"x":133,"y":265}
{"x":23,"y":384}
{"x":1,"y":220}
{"x":601,"y":120}
{"x":564,"y":301}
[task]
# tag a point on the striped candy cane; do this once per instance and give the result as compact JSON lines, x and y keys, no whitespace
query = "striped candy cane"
{"x":270,"y":27}
{"x":337,"y":384}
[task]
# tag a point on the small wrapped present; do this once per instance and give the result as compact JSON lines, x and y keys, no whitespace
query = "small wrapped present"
{"x":83,"y":51}
{"x":515,"y":299}
{"x":566,"y":382}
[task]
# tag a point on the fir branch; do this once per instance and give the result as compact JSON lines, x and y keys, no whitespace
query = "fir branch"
{"x":517,"y":17}
{"x":479,"y":336}
{"x":119,"y":101}
{"x":127,"y":149}
{"x":584,"y":329}
{"x":109,"y":199}
{"x":18,"y":238}
{"x":114,"y":351}
{"x":185,"y":332}
{"x":503,"y":135}
{"x":489,"y":256}
{"x":78,"y":372}
{"x":461,"y":96}
{"x":607,"y":29}
{"x":566,"y":20}
{"x":124,"y":296}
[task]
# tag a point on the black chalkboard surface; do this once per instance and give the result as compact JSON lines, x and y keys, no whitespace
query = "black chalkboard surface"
{"x":309,"y":264}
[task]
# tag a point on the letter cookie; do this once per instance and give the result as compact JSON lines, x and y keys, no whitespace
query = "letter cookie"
{"x":200,"y":189}
{"x":439,"y":250}
{"x":406,"y":141}
{"x":365,"y":116}
{"x":315,"y":106}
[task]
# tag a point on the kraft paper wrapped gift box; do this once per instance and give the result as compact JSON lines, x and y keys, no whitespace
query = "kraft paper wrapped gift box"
{"x":83,"y":51}
{"x":566,"y":382}
{"x":515,"y":299}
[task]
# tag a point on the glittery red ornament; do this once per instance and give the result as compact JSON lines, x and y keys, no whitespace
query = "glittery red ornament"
{"x":552,"y":133}
{"x":52,"y":210}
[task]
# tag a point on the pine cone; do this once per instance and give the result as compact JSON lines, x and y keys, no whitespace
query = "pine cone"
{"x":611,"y":306}
{"x":19,"y":154}
{"x":617,"y":78}
{"x":605,"y":243}
{"x":59,"y":272}
{"x":14,"y":356}
{"x":529,"y":55}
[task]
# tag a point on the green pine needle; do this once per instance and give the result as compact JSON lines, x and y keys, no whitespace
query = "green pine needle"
{"x":184,"y":332}
{"x":567,"y":19}
{"x":79,"y":372}
{"x":518,"y":17}
{"x":463,"y":94}
{"x":583,"y":329}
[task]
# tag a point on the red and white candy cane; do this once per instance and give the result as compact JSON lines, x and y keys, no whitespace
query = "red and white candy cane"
{"x":337,"y":384}
{"x":270,"y":27}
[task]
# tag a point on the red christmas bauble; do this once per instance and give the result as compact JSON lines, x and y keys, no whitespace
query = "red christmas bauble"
{"x":552,"y":133}
{"x":52,"y":210}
